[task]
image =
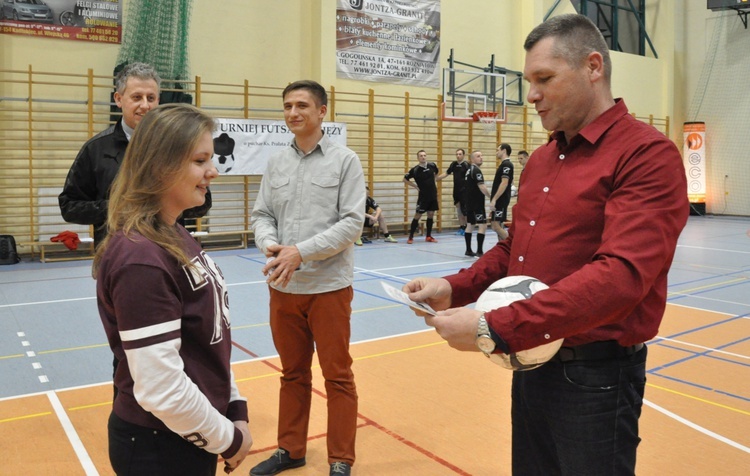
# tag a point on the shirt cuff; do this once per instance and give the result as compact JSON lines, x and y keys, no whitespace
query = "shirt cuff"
{"x":500,"y":344}
{"x":235,"y":446}
{"x":237,"y":411}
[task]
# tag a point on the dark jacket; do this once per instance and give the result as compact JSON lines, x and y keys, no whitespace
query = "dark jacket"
{"x":85,"y":196}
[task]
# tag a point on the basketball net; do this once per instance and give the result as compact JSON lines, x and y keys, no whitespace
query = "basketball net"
{"x":487,"y":119}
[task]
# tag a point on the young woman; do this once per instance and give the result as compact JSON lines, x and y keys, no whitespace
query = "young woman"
{"x":164,"y":306}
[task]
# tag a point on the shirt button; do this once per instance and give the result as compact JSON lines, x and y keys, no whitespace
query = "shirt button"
{"x":532,"y":222}
{"x":520,"y":258}
{"x":562,"y":156}
{"x":546,"y":336}
{"x":545,"y":189}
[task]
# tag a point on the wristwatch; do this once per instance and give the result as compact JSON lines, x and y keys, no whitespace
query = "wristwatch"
{"x":484,"y":339}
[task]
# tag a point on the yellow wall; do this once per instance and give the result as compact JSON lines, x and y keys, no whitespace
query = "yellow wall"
{"x":264,"y":41}
{"x":273,"y":42}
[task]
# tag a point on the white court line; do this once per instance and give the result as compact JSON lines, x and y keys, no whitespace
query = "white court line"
{"x":385,"y":275}
{"x":411,"y":266}
{"x":58,"y":390}
{"x":70,"y":431}
{"x":379,"y":271}
{"x":701,"y":309}
{"x":46,"y":302}
{"x":740,"y":356}
{"x":697,"y":427}
{"x":706,"y":298}
{"x":714,"y":249}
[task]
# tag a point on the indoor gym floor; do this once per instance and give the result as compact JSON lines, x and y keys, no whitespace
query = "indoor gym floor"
{"x":424,"y":409}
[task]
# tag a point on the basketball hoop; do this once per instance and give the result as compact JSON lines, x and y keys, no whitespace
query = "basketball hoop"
{"x":487,"y":119}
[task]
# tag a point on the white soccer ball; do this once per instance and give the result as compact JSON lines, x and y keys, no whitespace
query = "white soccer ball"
{"x":223,"y":163}
{"x":502,"y":293}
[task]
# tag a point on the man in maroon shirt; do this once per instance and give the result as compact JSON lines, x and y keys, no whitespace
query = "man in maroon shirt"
{"x":602,"y":207}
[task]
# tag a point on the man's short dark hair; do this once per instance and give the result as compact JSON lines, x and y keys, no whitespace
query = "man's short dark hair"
{"x":523,"y":152}
{"x":316,"y":90}
{"x":506,"y":148}
{"x":461,"y":151}
{"x":577,"y":37}
{"x":420,"y":151}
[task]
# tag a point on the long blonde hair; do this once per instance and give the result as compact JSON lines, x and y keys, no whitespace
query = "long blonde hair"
{"x":160,"y":149}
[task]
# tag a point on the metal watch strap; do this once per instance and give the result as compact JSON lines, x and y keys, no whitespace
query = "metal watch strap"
{"x":483,"y":330}
{"x":484,"y":340}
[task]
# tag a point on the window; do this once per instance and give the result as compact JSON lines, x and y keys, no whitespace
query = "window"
{"x":622,"y":22}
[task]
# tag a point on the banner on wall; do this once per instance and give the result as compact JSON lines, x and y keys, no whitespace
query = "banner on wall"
{"x":243,"y":146}
{"x":82,"y":20}
{"x":694,"y":158}
{"x":396,"y":41}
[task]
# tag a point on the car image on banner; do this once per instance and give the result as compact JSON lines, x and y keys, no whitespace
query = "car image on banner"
{"x":26,"y":10}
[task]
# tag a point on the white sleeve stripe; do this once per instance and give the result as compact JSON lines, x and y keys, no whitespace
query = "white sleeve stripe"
{"x":150,"y":331}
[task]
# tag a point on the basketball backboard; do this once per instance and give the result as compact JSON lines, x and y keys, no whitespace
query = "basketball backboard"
{"x":468,"y":92}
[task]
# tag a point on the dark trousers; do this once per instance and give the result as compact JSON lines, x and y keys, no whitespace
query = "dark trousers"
{"x":578,"y":417}
{"x":136,"y":450}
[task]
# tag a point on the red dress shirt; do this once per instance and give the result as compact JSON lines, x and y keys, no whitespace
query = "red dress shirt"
{"x":598,"y":221}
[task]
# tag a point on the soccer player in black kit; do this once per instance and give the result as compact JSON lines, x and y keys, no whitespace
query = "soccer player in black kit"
{"x":458,"y":168}
{"x":424,"y":175}
{"x":501,"y":188}
{"x":476,"y":214}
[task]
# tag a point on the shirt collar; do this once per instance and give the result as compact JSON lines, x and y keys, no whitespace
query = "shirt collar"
{"x":593,"y":131}
{"x":323,"y":144}
{"x":127,"y":130}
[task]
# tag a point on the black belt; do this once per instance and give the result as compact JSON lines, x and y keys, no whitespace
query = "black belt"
{"x":603,"y":350}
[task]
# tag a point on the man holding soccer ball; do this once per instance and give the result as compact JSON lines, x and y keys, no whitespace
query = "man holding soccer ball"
{"x":603,"y":205}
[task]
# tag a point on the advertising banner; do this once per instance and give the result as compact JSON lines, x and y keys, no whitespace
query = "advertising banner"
{"x":243,"y":146}
{"x":396,"y":41}
{"x":83,"y":20}
{"x":694,"y":158}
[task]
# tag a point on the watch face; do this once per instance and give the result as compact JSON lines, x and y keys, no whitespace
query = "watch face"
{"x":486,"y":344}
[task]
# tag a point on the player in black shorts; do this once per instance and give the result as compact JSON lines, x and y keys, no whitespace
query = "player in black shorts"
{"x":424,"y":174}
{"x":458,"y":168}
{"x":476,"y":191}
{"x":501,"y":188}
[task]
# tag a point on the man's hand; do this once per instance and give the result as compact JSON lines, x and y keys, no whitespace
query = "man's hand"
{"x":458,"y":326}
{"x":247,"y":442}
{"x":492,"y":204}
{"x":286,"y":261}
{"x":436,"y":292}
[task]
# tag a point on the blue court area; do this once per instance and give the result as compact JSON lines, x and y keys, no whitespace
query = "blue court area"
{"x":51,"y":337}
